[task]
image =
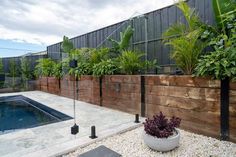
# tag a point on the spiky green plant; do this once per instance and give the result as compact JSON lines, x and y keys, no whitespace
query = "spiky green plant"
{"x":184,"y":41}
{"x":130,"y":62}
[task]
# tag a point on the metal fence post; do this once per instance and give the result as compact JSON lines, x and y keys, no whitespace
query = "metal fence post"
{"x":143,"y":105}
{"x":224,"y":109}
{"x":100,"y":89}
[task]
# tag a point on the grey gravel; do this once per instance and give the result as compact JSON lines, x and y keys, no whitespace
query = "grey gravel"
{"x":130,"y":144}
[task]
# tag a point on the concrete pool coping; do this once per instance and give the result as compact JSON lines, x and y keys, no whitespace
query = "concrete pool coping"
{"x":110,"y":122}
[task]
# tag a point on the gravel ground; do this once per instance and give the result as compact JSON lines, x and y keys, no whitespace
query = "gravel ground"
{"x":130,"y":144}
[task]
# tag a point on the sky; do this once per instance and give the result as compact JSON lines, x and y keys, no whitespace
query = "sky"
{"x":30,"y":26}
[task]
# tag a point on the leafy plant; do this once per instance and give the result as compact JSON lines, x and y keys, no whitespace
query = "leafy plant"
{"x":219,"y":64}
{"x":44,"y":67}
{"x":57,"y":70}
{"x":105,"y":67}
{"x":185,"y":40}
{"x":13,"y":71}
{"x":222,"y":7}
{"x":1,"y":67}
{"x":123,"y":44}
{"x":26,"y":72}
{"x":130,"y":62}
{"x":67,"y":46}
{"x":98,"y":55}
{"x":160,"y":126}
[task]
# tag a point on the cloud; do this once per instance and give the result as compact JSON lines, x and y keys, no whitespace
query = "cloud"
{"x":44,"y":22}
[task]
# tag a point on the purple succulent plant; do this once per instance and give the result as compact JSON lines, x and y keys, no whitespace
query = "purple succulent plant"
{"x":160,"y":126}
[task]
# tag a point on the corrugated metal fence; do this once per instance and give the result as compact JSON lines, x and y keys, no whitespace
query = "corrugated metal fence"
{"x":157,"y":22}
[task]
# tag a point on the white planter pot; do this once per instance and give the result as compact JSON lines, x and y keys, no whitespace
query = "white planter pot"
{"x":162,"y":144}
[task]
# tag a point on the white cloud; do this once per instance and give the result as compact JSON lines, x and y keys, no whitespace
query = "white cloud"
{"x":46,"y":21}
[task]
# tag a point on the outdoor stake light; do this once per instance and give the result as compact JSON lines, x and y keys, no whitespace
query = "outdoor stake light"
{"x":137,"y":118}
{"x":75,"y":128}
{"x":93,"y":132}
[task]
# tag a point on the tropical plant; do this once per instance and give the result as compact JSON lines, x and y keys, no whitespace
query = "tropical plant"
{"x":160,"y":126}
{"x":44,"y":67}
{"x":98,"y":55}
{"x":57,"y":71}
{"x":26,"y":72}
{"x":105,"y":67}
{"x":123,"y":44}
{"x":184,"y":40}
{"x":219,"y":64}
{"x":67,"y":46}
{"x":13,"y":71}
{"x":130,"y":62}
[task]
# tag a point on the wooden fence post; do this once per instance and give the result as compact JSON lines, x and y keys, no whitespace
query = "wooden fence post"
{"x":100,"y":89}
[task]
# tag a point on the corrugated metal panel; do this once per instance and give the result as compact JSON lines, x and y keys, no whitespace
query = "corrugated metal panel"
{"x":158,"y":22}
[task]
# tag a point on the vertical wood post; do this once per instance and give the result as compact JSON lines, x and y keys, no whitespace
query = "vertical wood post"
{"x":143,"y":105}
{"x":224,"y":109}
{"x":100,"y":90}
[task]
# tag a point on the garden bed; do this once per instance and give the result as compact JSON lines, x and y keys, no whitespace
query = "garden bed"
{"x":195,"y":100}
{"x":131,"y":144}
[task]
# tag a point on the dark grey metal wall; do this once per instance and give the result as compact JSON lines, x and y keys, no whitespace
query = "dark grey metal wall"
{"x":158,"y":22}
{"x":32,"y":59}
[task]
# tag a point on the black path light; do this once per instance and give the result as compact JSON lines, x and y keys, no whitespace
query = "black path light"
{"x":75,"y":128}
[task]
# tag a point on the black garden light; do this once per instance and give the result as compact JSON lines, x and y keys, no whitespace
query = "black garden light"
{"x":75,"y":128}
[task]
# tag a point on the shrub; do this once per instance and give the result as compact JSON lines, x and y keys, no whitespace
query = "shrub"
{"x":130,"y":62}
{"x":44,"y":67}
{"x":219,"y":64}
{"x":184,"y":40}
{"x":160,"y":126}
{"x":57,"y":70}
{"x":105,"y":67}
{"x":26,"y":72}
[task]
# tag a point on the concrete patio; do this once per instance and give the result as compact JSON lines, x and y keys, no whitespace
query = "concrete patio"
{"x":55,"y":139}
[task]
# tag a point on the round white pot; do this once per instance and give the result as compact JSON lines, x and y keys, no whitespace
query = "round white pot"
{"x":162,"y":144}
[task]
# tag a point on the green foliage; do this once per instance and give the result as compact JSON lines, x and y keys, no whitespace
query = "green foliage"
{"x":105,"y":67}
{"x":26,"y":72}
{"x":222,"y":7}
{"x":219,"y":64}
{"x":83,"y":69}
{"x":44,"y":68}
{"x":13,"y":69}
{"x":67,"y":45}
{"x":98,"y":55}
{"x":1,"y":66}
{"x":186,"y":50}
{"x":130,"y":62}
{"x":184,"y":40}
{"x":57,"y":70}
{"x":123,"y":44}
{"x":13,"y":72}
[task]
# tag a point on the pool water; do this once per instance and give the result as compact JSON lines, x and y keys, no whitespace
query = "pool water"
{"x":18,"y":112}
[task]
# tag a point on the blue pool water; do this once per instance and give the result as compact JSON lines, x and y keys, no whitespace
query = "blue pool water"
{"x":19,"y":112}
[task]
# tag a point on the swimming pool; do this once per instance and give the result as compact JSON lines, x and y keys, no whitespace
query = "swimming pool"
{"x":19,"y":112}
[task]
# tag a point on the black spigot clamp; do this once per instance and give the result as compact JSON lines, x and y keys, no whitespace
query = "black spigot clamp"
{"x":93,"y":132}
{"x":74,"y":129}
